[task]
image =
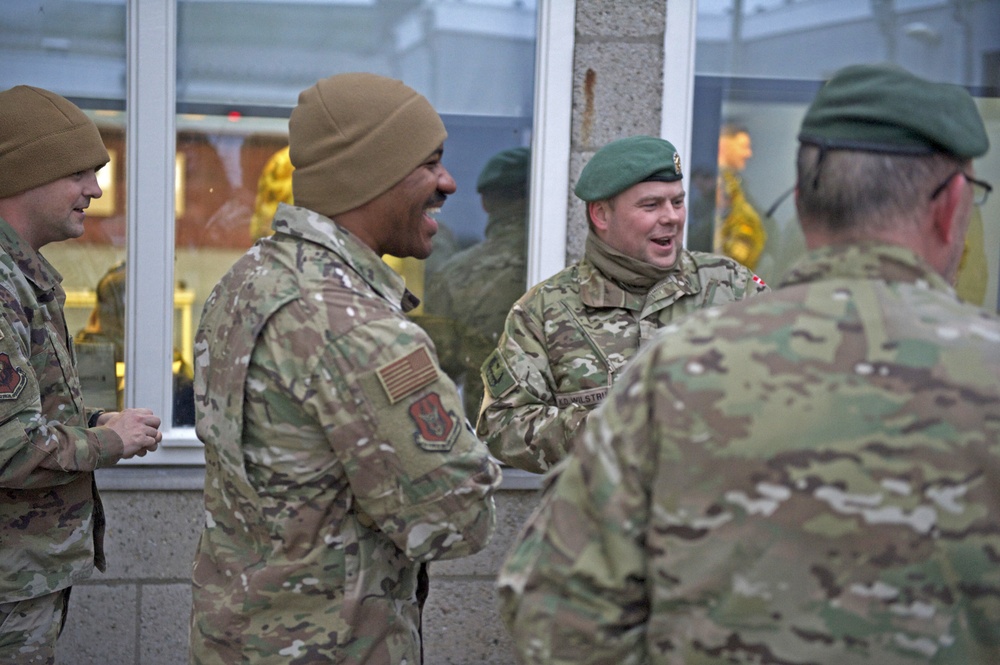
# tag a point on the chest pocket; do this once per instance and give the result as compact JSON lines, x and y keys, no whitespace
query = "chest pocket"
{"x":586,"y":355}
{"x":55,"y":369}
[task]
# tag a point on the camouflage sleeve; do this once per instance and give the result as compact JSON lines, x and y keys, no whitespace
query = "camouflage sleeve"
{"x":746,"y":283}
{"x":396,"y":422}
{"x":35,"y":451}
{"x":519,"y":419}
{"x":572,"y":588}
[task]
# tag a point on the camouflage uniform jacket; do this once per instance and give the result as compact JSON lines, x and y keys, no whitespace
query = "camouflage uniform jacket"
{"x":567,"y":340}
{"x":51,"y":521}
{"x":807,"y":477}
{"x":337,"y":457}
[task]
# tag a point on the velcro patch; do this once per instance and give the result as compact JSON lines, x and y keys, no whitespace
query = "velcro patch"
{"x":496,"y":376}
{"x":12,"y":379}
{"x":408,"y":374}
{"x":436,"y":427}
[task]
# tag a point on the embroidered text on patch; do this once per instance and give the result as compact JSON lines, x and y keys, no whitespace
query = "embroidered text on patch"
{"x":408,"y":374}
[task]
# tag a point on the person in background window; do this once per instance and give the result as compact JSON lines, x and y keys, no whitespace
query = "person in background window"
{"x":739,"y":231}
{"x":274,"y":186}
{"x":51,"y":520}
{"x":338,"y":457}
{"x":701,"y":210}
{"x":810,"y":476}
{"x":472,"y":292}
{"x":107,"y":324}
{"x":568,"y":338}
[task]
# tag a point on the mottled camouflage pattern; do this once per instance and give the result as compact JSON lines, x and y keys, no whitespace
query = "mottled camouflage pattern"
{"x":51,"y":522}
{"x":568,"y":339}
{"x":740,"y":232}
{"x":323,"y":498}
{"x":807,"y":477}
{"x":29,"y":629}
{"x":472,"y":294}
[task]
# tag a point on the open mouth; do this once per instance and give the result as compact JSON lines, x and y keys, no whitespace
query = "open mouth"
{"x":664,"y":242}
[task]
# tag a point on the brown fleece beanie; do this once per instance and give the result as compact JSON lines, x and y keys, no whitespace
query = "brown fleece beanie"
{"x":354,"y":136}
{"x":44,"y":137}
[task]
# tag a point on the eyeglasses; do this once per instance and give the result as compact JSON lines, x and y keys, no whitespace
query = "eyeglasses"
{"x":980,"y":189}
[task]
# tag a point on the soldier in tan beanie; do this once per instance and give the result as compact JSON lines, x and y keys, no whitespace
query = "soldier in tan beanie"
{"x":51,"y":520}
{"x":345,"y":462}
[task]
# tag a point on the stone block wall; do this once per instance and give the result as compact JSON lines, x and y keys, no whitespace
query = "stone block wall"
{"x":137,"y":613}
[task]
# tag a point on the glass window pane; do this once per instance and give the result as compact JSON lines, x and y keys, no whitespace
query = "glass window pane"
{"x":240,"y":68}
{"x":77,"y":49}
{"x":758,"y":64}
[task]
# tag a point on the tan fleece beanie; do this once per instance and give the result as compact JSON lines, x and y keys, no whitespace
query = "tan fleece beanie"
{"x":354,"y":136}
{"x":44,"y":137}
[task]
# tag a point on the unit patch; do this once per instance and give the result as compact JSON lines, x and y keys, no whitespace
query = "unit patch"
{"x":496,"y":376}
{"x":408,"y":374}
{"x":437,"y":428}
{"x":12,"y":379}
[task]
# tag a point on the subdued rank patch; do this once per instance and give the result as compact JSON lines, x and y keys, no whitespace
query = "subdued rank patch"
{"x":408,"y":374}
{"x":12,"y":379}
{"x":495,"y":375}
{"x":436,"y":427}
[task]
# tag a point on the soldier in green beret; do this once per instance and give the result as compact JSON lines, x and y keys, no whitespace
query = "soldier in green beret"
{"x":810,"y":476}
{"x":566,"y":341}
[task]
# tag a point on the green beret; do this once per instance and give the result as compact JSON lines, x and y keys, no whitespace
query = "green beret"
{"x":626,"y":162}
{"x":505,"y":170}
{"x":884,"y":108}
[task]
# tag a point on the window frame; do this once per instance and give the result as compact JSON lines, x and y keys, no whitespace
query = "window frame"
{"x":150,"y":150}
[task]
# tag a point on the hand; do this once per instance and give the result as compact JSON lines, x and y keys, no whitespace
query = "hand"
{"x":139,"y":429}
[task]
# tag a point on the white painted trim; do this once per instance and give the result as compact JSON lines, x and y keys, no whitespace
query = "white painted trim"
{"x":678,"y":77}
{"x":548,"y":210}
{"x":150,"y":146}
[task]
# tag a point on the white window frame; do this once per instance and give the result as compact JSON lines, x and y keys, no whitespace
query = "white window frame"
{"x":150,"y":148}
{"x":679,"y":39}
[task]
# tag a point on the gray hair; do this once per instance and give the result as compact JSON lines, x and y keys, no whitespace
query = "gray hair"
{"x":861,"y":193}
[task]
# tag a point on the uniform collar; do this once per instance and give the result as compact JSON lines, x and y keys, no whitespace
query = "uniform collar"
{"x":598,"y":291}
{"x":321,"y":230}
{"x":871,"y":260}
{"x":35,"y":268}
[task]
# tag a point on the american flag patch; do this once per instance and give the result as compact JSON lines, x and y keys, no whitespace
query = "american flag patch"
{"x":408,"y":374}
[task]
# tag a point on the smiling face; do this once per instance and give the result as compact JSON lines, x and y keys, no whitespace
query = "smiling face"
{"x":55,"y":211}
{"x":645,"y":222}
{"x":402,"y":220}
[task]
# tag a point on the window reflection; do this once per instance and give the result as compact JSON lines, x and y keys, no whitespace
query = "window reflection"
{"x":745,"y":75}
{"x":240,"y":69}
